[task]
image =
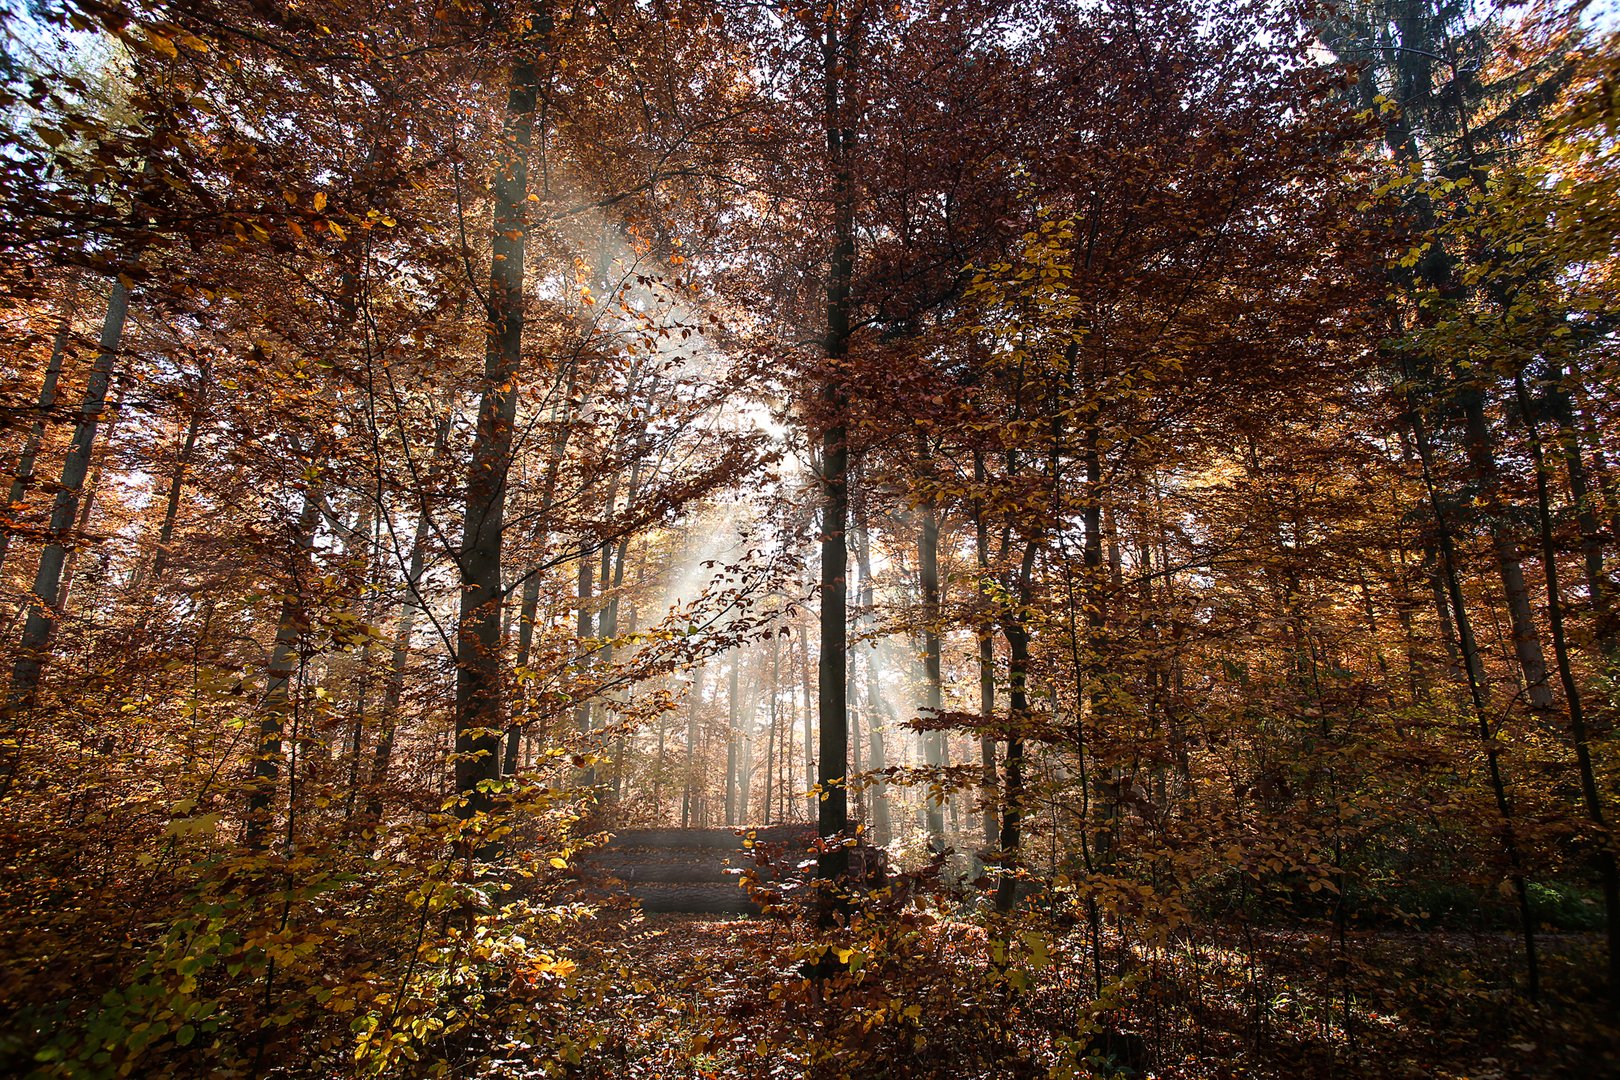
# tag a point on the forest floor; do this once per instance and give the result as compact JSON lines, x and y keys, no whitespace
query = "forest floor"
{"x":704,"y":996}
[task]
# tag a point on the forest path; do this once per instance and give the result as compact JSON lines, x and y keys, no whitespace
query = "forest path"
{"x":693,"y":870}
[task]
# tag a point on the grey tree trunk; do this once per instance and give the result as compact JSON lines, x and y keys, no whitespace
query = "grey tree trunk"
{"x":1608,"y":873}
{"x":290,"y":627}
{"x":1598,"y":587}
{"x":882,"y":821}
{"x":44,"y":608}
{"x":1475,"y":672}
{"x":182,"y":461}
{"x":810,"y":740}
{"x":688,"y":790}
{"x":987,"y":673}
{"x":933,"y":687}
{"x":87,"y":504}
{"x":24,"y":475}
{"x":731,"y":744}
{"x":1526,"y":638}
{"x":480,"y":696}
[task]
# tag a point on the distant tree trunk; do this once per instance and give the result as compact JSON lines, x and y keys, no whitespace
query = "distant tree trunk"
{"x":529,"y":606}
{"x":24,"y":475}
{"x":693,"y":706}
{"x":731,"y":744}
{"x":584,"y":630}
{"x":933,"y":688}
{"x":812,"y":806}
{"x":44,"y":610}
{"x":770,"y":736}
{"x":1012,"y":800}
{"x":987,"y":670}
{"x":410,"y":605}
{"x":882,"y":821}
{"x":182,"y":461}
{"x":1598,"y":587}
{"x":290,"y":627}
{"x":480,"y":699}
{"x":1526,"y":639}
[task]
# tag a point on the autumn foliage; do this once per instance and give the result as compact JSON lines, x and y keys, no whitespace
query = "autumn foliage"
{"x":1125,"y":492}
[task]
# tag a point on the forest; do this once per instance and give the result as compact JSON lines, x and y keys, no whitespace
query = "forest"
{"x":739,"y":538}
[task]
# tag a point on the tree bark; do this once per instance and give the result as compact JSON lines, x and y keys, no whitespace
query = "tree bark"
{"x":1608,"y":874}
{"x":44,"y":609}
{"x":933,"y":688}
{"x":882,"y":821}
{"x":480,"y":697}
{"x":1475,"y":671}
{"x":1526,"y":639}
{"x":24,"y":476}
{"x":833,"y":764}
{"x":1012,"y":809}
{"x":290,"y":626}
{"x":693,"y":706}
{"x":182,"y":461}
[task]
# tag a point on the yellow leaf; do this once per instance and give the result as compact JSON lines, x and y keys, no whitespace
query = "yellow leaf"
{"x":337,"y":230}
{"x":320,"y":201}
{"x":160,"y":43}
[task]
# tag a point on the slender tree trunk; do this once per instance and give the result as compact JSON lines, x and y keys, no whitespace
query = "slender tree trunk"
{"x":1013,"y":774}
{"x":1598,"y":587}
{"x":182,"y":461}
{"x":87,"y":505}
{"x":1526,"y":639}
{"x":23,"y":478}
{"x":44,"y":609}
{"x":731,"y":743}
{"x":1012,"y":801}
{"x":987,"y":670}
{"x":480,"y":697}
{"x":584,"y":630}
{"x":933,"y":688}
{"x":812,"y":805}
{"x":1603,"y":853}
{"x":882,"y":820}
{"x":410,"y":606}
{"x":693,"y":706}
{"x":279,"y":671}
{"x":1475,"y":672}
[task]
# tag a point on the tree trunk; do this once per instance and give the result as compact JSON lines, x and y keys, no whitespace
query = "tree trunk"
{"x":480,"y":699}
{"x":832,"y":776}
{"x":987,"y":670}
{"x":693,"y":706}
{"x":44,"y":609}
{"x":1526,"y":639}
{"x":882,"y":819}
{"x":1603,"y":854}
{"x":1012,"y":809}
{"x":1475,"y":672}
{"x":731,"y":743}
{"x":24,"y":475}
{"x":87,"y":505}
{"x":933,"y":689}
{"x":283,"y":662}
{"x":812,"y":802}
{"x":182,"y":461}
{"x":1598,"y":586}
